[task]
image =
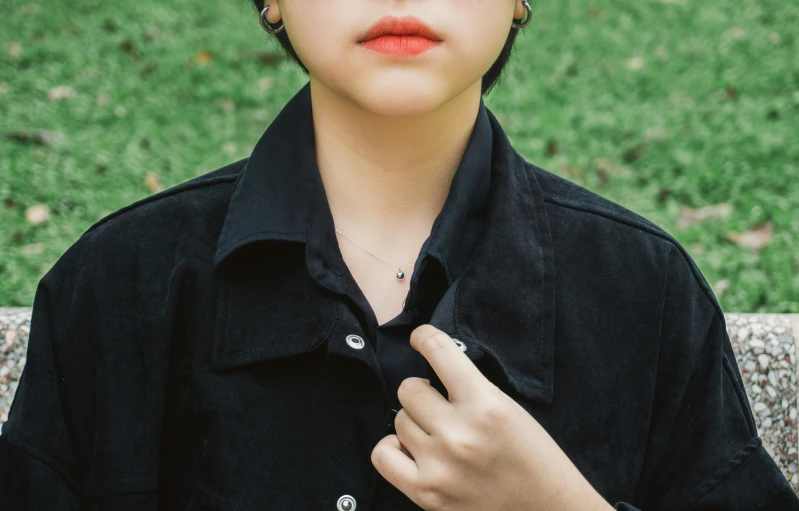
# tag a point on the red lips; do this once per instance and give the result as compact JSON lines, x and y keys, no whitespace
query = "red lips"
{"x":407,"y":35}
{"x":408,"y":25}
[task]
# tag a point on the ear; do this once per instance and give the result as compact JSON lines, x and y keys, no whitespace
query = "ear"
{"x":518,"y":12}
{"x":273,"y":14}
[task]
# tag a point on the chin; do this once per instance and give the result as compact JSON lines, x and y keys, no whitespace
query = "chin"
{"x":401,"y":97}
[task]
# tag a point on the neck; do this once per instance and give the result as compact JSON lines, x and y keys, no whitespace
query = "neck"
{"x":387,"y":177}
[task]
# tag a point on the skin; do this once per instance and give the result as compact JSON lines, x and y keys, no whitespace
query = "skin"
{"x":478,"y":449}
{"x":390,"y":133}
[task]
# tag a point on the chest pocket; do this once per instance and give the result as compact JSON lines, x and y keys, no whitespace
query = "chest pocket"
{"x":177,"y":496}
{"x":295,"y":432}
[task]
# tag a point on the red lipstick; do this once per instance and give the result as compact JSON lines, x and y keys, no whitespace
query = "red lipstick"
{"x":400,"y":36}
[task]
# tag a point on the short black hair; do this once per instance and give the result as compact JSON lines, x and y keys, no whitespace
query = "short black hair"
{"x":490,"y":78}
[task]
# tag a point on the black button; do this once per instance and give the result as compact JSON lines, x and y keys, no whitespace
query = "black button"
{"x":390,"y":426}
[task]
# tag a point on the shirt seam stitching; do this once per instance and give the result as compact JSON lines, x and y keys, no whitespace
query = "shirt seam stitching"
{"x":722,"y":473}
{"x":42,"y":457}
{"x":182,"y":187}
{"x":662,"y":234}
{"x":657,"y":359}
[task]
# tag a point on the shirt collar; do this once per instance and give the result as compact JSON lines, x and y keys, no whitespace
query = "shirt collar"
{"x":502,"y":302}
{"x":279,"y":194}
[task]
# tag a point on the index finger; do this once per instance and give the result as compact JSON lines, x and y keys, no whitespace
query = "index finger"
{"x":455,"y":370}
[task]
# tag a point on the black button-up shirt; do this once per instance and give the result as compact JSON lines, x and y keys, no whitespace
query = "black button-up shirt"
{"x":190,"y":350}
{"x":444,"y":255}
{"x":446,"y":252}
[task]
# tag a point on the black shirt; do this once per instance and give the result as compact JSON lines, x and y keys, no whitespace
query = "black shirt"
{"x":193,"y":350}
{"x":443,"y":256}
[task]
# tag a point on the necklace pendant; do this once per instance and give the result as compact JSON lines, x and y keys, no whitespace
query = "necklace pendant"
{"x":400,"y":275}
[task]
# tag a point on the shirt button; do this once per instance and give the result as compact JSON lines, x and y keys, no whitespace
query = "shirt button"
{"x":460,"y":343}
{"x":345,"y":503}
{"x":355,"y":341}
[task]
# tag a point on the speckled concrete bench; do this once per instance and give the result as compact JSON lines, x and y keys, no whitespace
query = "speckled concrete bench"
{"x":764,"y":344}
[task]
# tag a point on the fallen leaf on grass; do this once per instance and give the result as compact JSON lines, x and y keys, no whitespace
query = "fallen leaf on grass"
{"x":32,"y":249}
{"x":61,"y":92}
{"x":697,"y":248}
{"x":152,"y":182}
{"x":30,"y":8}
{"x":754,"y":239}
{"x":13,"y":50}
{"x":151,"y":33}
{"x":203,"y":56}
{"x":633,"y":153}
{"x":735,"y":33}
{"x":40,"y":137}
{"x":720,"y":287}
{"x":573,"y":171}
{"x":127,"y":46}
{"x":689,"y":216}
{"x":37,"y":214}
{"x":265,"y":83}
{"x":655,"y":134}
{"x":635,"y":63}
{"x":227,"y":105}
{"x":664,"y":194}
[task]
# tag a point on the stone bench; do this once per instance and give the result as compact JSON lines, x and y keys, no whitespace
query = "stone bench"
{"x":764,"y":345}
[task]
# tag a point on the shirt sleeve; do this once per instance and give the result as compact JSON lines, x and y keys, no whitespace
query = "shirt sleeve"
{"x":38,"y":469}
{"x":84,"y":429}
{"x":703,"y":452}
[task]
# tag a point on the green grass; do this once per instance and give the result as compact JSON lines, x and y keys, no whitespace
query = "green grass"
{"x":657,"y":105}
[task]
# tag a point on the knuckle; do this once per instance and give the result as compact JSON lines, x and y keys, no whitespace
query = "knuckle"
{"x":493,"y":415}
{"x":463,"y":446}
{"x":403,"y":387}
{"x":429,"y":497}
{"x":377,"y":456}
{"x":407,"y":385}
{"x":438,"y":341}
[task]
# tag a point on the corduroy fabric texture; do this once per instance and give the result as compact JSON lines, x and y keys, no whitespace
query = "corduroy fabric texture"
{"x":180,"y":357}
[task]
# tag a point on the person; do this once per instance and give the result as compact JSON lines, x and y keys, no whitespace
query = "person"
{"x":383,"y":307}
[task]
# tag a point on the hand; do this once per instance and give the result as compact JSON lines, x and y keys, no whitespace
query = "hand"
{"x":477,"y":450}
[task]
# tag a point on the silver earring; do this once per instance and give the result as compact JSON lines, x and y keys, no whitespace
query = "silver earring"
{"x":529,"y":16}
{"x":264,"y":22}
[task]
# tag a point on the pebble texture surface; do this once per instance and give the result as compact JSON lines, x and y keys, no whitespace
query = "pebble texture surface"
{"x":764,"y":345}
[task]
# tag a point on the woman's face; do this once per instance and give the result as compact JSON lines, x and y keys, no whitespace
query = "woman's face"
{"x":326,"y":33}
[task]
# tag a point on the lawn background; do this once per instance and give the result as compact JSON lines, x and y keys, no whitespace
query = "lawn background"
{"x":685,"y":111}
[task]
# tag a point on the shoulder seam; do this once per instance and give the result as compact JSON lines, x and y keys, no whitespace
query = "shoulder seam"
{"x":650,"y":230}
{"x":160,"y":195}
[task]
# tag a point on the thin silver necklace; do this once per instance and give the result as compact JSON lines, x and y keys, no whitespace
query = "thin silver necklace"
{"x":400,"y":273}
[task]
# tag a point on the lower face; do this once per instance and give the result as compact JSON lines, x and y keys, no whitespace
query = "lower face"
{"x":398,"y":75}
